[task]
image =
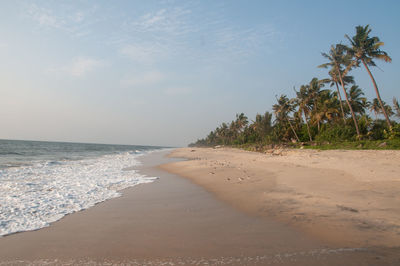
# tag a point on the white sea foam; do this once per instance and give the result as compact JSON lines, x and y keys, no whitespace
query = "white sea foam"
{"x":32,"y":197}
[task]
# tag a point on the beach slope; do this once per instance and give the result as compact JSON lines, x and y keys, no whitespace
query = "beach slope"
{"x":345,"y":198}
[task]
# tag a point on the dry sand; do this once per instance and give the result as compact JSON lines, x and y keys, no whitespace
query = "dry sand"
{"x":175,"y":222}
{"x":345,"y":198}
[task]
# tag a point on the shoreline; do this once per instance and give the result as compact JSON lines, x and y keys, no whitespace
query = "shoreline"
{"x":175,"y":221}
{"x":39,"y":189}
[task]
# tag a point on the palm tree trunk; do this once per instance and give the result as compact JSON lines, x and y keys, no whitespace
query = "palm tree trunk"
{"x":315,"y":109}
{"x":340,"y":99}
{"x":293,"y":129}
{"x":308,"y":128}
{"x":378,"y":95}
{"x":305,"y":119}
{"x":348,"y":103}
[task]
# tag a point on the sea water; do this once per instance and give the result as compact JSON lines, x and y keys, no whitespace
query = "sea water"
{"x":40,"y":182}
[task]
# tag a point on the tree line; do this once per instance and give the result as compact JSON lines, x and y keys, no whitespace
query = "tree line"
{"x":318,"y":112}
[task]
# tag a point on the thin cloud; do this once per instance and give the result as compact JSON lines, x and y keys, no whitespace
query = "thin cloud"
{"x":244,"y":42}
{"x":143,"y":79}
{"x":146,"y":53}
{"x":167,"y":20}
{"x":73,"y":21}
{"x":166,"y":32}
{"x":177,"y":32}
{"x":45,"y":17}
{"x":83,"y":65}
{"x":79,"y":67}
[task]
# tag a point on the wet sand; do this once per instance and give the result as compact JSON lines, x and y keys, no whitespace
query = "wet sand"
{"x":178,"y":222}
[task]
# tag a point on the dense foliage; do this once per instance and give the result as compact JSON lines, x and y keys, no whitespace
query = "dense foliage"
{"x":318,"y":114}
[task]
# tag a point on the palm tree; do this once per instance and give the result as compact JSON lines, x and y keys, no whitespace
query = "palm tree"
{"x":211,"y":138}
{"x":304,"y":103}
{"x":327,"y":106}
{"x":233,"y":133}
{"x":388,"y":109}
{"x":314,"y":88}
{"x":334,"y":80}
{"x":396,"y":107}
{"x":241,"y":122}
{"x":375,"y":107}
{"x":365,"y":49}
{"x":338,"y":58}
{"x":282,"y":110}
{"x":222,"y":133}
{"x":262,"y":125}
{"x":357,"y":101}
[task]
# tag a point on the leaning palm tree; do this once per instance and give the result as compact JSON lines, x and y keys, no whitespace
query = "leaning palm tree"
{"x":338,"y":58}
{"x":334,"y":81}
{"x":365,"y":49}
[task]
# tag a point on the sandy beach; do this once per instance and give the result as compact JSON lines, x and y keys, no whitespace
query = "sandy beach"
{"x":242,"y":214}
{"x":348,"y":198}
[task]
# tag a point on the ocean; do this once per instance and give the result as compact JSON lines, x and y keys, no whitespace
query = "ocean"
{"x":41,"y":182}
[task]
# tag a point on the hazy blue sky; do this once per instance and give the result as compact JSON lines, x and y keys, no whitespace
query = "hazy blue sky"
{"x":168,"y":72}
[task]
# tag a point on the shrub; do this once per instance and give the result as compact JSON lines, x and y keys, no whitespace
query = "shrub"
{"x":336,"y":133}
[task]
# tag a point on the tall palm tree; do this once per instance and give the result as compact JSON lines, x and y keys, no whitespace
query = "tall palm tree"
{"x":365,"y":49}
{"x":338,"y":58}
{"x":304,"y":102}
{"x":282,"y":110}
{"x":334,"y":81}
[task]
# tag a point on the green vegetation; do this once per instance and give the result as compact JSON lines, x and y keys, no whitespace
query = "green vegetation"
{"x":318,"y":117}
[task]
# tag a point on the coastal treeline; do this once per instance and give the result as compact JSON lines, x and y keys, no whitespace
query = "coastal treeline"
{"x":333,"y":109}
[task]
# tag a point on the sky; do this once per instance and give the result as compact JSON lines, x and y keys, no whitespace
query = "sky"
{"x":168,"y":72}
